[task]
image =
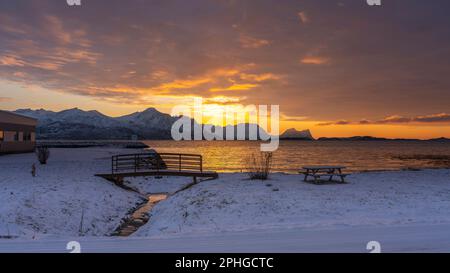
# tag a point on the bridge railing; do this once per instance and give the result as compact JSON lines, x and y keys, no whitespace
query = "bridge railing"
{"x":136,"y":163}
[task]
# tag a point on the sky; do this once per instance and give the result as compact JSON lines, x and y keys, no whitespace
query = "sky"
{"x":337,"y":67}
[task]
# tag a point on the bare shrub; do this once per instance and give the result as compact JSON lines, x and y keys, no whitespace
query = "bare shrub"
{"x":43,"y":153}
{"x":80,"y":229}
{"x":259,"y":166}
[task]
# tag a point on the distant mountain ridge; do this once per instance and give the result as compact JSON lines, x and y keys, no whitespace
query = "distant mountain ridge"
{"x":151,"y":124}
{"x":76,"y":124}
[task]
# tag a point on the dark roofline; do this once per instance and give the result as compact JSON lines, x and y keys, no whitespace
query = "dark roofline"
{"x":17,"y":115}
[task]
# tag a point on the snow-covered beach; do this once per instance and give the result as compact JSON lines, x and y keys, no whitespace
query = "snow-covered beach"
{"x":66,"y":200}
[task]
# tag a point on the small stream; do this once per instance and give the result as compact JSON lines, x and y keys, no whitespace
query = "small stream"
{"x":140,"y":216}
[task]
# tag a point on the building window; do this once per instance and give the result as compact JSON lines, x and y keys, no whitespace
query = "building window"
{"x":2,"y":136}
{"x":26,"y":136}
{"x":16,"y":136}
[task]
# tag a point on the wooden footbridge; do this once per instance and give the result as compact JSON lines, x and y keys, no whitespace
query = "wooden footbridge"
{"x":157,"y":164}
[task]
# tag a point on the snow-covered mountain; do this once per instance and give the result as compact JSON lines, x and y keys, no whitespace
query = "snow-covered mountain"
{"x":91,"y":125}
{"x":295,"y":134}
{"x":43,"y":116}
{"x":75,"y":115}
{"x":78,"y":124}
{"x":93,"y":118}
{"x":150,"y":117}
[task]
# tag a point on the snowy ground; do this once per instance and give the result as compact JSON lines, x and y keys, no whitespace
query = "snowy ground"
{"x":408,"y":211}
{"x":411,"y":238}
{"x":233,"y":203}
{"x":150,"y":185}
{"x":54,"y":201}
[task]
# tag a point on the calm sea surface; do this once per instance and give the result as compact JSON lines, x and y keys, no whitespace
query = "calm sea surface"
{"x":231,"y":156}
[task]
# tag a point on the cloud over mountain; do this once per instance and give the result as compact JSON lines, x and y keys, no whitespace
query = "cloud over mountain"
{"x":435,"y":118}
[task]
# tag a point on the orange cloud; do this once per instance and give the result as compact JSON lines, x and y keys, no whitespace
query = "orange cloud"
{"x":75,"y":55}
{"x":250,"y":42}
{"x":15,"y":61}
{"x":3,"y":99}
{"x":443,"y":117}
{"x":315,"y":60}
{"x":223,"y":100}
{"x":339,"y":122}
{"x":159,"y":75}
{"x":204,"y":85}
{"x":114,"y":89}
{"x":181,"y":84}
{"x":11,"y":61}
{"x":235,"y":87}
{"x":395,"y":119}
{"x":55,"y":27}
{"x":259,"y":77}
{"x":292,"y":118}
{"x":49,"y":60}
{"x":10,"y":25}
{"x":211,"y":79}
{"x":66,"y":36}
{"x":20,"y":74}
{"x":303,"y":16}
{"x":70,"y":45}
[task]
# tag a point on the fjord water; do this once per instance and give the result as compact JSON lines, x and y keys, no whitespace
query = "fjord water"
{"x":232,"y":156}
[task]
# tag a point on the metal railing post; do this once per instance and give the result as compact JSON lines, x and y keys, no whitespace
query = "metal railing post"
{"x":135,"y":163}
{"x":157,"y":160}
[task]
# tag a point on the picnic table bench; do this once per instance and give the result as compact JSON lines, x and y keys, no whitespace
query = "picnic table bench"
{"x":317,"y":172}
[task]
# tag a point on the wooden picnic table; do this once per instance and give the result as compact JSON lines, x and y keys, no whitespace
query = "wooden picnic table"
{"x":320,"y":171}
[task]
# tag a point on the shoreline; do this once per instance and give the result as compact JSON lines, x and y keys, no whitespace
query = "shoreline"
{"x":353,"y":172}
{"x":75,"y":144}
{"x":143,"y":148}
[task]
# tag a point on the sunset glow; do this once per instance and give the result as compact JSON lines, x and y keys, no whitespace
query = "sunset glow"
{"x":368,"y":72}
